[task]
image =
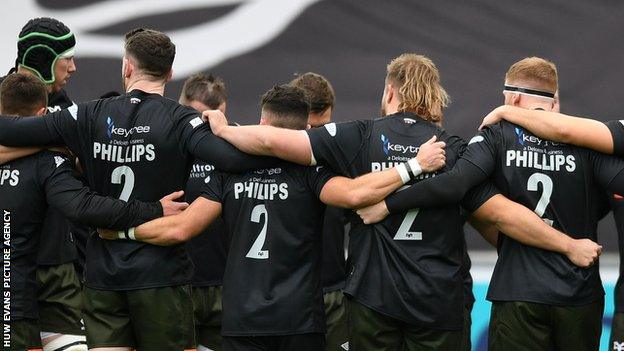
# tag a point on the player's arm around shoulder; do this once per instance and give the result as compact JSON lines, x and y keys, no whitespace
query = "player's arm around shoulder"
{"x":373,"y":187}
{"x":585,"y":132}
{"x":287,"y":144}
{"x":523,"y":225}
{"x":174,"y":229}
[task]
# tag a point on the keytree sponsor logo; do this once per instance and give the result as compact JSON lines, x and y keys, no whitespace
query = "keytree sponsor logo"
{"x":388,"y":147}
{"x":112,"y":130}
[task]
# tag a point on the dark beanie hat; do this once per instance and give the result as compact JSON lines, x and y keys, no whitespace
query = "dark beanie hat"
{"x":41,"y":42}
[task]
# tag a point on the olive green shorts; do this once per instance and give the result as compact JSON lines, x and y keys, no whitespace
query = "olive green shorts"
{"x":371,"y":330}
{"x":517,"y":325}
{"x":145,"y":319}
{"x":208,"y":313}
{"x":24,"y":335}
{"x":60,"y":299}
{"x":337,"y":336}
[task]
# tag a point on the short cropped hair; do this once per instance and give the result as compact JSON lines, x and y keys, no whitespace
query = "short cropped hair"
{"x":288,"y":105}
{"x":419,"y":85}
{"x":207,"y":89}
{"x":22,"y":95}
{"x":534,"y":70}
{"x":153,"y":51}
{"x":318,"y":90}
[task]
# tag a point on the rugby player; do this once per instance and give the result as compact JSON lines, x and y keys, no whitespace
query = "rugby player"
{"x":549,"y":301}
{"x":27,"y":186}
{"x":320,"y":95}
{"x":208,"y":250}
{"x":45,"y":49}
{"x":395,"y":299}
{"x":139,"y":145}
{"x":272,"y":292}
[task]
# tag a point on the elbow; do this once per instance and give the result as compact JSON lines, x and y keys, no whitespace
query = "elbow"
{"x":177,"y":236}
{"x":356,"y":199}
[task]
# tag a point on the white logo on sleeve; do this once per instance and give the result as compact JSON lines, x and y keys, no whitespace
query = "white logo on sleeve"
{"x":618,"y":346}
{"x":195,"y":122}
{"x":476,"y":139}
{"x":73,"y":111}
{"x":331,"y":129}
{"x":58,"y":160}
{"x":622,"y":122}
{"x":345,"y":346}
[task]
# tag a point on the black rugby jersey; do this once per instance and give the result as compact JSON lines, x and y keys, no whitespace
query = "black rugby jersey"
{"x":134,"y":146}
{"x":272,"y":283}
{"x":58,"y":244}
{"x":208,"y":250}
{"x":563,"y":184}
{"x":399,"y":266}
{"x":27,"y":186}
{"x":617,"y":133}
{"x":334,"y":265}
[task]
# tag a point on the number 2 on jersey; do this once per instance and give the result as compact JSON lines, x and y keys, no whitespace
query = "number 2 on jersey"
{"x":256,"y":249}
{"x":128,"y":185}
{"x":547,"y":189}
{"x":404,"y":232}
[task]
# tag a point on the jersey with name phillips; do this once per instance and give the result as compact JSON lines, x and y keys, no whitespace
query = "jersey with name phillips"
{"x":134,"y":146}
{"x":272,"y":283}
{"x":208,"y":250}
{"x":563,"y":184}
{"x":27,"y":186}
{"x":399,"y":266}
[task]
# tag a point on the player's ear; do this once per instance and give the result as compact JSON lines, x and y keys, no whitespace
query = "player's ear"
{"x":308,"y":126}
{"x":389,"y":93}
{"x":41,"y":111}
{"x":263,"y":121}
{"x":169,"y":76}
{"x":127,"y":67}
{"x":222,"y":107}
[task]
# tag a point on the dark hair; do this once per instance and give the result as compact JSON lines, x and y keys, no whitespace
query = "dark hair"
{"x":318,"y":90}
{"x":153,"y":51}
{"x":207,"y":89}
{"x":289,"y":106}
{"x":22,"y":95}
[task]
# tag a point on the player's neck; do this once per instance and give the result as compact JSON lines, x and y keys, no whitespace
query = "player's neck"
{"x":146,"y":85}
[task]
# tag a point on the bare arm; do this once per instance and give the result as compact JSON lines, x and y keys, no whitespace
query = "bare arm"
{"x":523,"y":225}
{"x":558,"y":127}
{"x":287,"y":144}
{"x":13,"y":153}
{"x":373,"y":187}
{"x":488,"y":231}
{"x":173,"y":230}
{"x":361,"y":191}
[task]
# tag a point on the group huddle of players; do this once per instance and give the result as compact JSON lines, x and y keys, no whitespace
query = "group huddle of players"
{"x":107,"y":253}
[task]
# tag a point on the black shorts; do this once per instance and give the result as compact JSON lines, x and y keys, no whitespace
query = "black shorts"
{"x":298,"y":342}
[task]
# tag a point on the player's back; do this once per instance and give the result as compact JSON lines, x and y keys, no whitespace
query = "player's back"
{"x":23,"y":204}
{"x":272,"y":282}
{"x":560,"y":183}
{"x":131,"y":148}
{"x":400,"y":265}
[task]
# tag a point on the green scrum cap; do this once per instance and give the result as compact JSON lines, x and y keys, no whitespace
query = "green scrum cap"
{"x":41,"y":42}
